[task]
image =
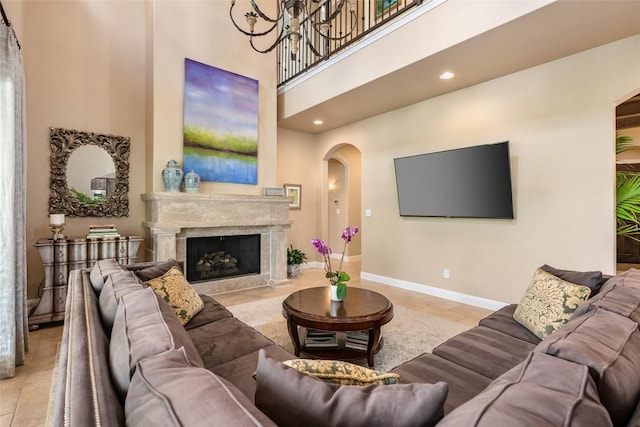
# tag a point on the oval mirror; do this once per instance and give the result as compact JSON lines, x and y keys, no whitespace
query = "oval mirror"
{"x":91,"y":174}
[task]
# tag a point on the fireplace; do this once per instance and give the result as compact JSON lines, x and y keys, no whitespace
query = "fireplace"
{"x":219,"y":257}
{"x":173,"y":219}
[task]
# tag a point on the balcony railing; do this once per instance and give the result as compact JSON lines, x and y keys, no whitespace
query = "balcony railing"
{"x":371,"y":15}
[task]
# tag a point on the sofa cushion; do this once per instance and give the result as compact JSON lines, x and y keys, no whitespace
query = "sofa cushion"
{"x":541,"y":391}
{"x":293,"y":399}
{"x":429,"y":368}
{"x":485,"y":351}
{"x":144,"y":325}
{"x":157,"y":269}
{"x":592,"y":279}
{"x":609,"y":345}
{"x":503,"y":321}
{"x":225,"y":340}
{"x":620,"y":295}
{"x":339,"y":372}
{"x":167,"y":390}
{"x":174,"y":288}
{"x":211,"y":312}
{"x":634,"y":421}
{"x":117,"y":285}
{"x":241,"y":370}
{"x":101,"y":270}
{"x":548,"y":303}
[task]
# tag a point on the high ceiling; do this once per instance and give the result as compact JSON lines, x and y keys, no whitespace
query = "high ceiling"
{"x":557,"y":30}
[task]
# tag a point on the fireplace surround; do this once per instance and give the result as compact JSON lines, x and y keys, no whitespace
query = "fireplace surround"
{"x":172,"y":218}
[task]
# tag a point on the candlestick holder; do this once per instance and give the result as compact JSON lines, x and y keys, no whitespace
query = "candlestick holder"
{"x":56,"y":222}
{"x":56,"y":229}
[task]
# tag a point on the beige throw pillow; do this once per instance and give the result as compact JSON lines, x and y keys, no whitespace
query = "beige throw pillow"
{"x":338,"y":372}
{"x":174,"y":288}
{"x":548,"y":303}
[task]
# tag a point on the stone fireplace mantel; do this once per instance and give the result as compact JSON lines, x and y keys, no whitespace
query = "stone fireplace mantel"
{"x":171,"y":218}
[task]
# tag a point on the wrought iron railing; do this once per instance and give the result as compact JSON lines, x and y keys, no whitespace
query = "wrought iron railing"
{"x":371,"y":15}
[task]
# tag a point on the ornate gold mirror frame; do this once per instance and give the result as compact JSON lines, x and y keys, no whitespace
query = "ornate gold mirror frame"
{"x":63,"y":142}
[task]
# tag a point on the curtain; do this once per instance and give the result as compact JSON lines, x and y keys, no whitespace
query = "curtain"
{"x":14,"y":332}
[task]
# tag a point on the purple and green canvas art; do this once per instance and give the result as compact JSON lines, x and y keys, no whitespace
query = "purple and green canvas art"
{"x":220,"y":124}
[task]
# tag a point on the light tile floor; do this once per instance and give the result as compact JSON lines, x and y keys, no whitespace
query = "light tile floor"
{"x":24,"y":399}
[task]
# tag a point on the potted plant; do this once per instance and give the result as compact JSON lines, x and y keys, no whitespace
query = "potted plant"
{"x":295,"y":257}
{"x":627,"y":194}
{"x":337,"y":278}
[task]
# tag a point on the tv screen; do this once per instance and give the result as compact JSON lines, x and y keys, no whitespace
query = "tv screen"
{"x":472,"y":182}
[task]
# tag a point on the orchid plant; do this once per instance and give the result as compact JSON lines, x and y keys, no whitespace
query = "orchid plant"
{"x":338,"y":277}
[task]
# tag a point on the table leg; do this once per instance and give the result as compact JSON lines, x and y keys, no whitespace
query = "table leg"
{"x":295,"y":338}
{"x":372,"y":345}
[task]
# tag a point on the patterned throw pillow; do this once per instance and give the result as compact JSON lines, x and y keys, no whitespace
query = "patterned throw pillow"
{"x":344,"y":373}
{"x":174,"y":288}
{"x":548,"y":303}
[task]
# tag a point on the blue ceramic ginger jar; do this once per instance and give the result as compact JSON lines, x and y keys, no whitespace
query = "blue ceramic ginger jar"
{"x":172,"y":176}
{"x":191,"y":182}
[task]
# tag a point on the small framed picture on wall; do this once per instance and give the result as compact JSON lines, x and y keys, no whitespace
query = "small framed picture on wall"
{"x":293,"y":192}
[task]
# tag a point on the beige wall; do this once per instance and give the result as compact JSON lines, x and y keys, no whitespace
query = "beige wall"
{"x":118,"y":67}
{"x":296,"y":154}
{"x":559,"y":118}
{"x":202,"y":31}
{"x":85,"y":70}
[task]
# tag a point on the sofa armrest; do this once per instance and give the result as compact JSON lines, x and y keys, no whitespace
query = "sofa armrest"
{"x":84,"y":394}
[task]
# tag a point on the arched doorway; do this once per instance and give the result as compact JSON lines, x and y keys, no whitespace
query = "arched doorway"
{"x":341,"y":200}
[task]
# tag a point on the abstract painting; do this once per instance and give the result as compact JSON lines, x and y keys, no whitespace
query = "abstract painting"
{"x":220,"y":124}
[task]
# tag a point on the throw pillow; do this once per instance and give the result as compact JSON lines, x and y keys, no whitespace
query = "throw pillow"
{"x":338,"y":372}
{"x":174,"y":289}
{"x":101,"y":270}
{"x":168,"y":390}
{"x":548,"y":303}
{"x":144,"y":325}
{"x":291,"y":398}
{"x":117,"y":285}
{"x":592,"y":279}
{"x":156,"y":270}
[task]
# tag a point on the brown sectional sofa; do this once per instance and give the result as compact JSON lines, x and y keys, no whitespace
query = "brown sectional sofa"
{"x":498,"y":373}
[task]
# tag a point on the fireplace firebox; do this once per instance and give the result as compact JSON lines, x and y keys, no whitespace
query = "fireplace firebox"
{"x":221,"y":257}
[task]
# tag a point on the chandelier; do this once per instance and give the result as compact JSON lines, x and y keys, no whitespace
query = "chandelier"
{"x":295,"y":20}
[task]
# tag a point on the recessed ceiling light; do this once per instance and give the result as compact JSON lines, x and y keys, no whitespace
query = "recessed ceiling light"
{"x":318,"y":122}
{"x":447,"y":75}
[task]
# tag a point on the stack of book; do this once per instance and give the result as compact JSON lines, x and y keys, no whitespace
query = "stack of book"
{"x":357,"y":340}
{"x":317,"y":339}
{"x":103,"y":231}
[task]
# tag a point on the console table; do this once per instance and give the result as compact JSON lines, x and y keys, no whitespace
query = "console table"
{"x":61,"y":256}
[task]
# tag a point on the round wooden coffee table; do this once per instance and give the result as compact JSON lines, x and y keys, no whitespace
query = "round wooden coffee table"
{"x":362,"y":310}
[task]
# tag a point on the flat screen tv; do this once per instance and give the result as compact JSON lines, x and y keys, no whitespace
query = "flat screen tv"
{"x":471,"y":182}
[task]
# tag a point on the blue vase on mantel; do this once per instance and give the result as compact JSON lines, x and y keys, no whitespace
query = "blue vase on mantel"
{"x":191,"y":182}
{"x":172,"y":176}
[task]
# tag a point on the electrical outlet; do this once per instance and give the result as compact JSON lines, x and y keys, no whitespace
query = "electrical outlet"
{"x":445,"y":273}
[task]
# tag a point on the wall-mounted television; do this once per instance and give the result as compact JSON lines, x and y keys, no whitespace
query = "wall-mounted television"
{"x":470,"y":182}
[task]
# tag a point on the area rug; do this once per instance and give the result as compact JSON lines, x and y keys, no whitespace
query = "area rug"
{"x":407,"y":335}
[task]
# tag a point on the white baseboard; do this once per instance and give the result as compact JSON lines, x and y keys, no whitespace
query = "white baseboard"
{"x":436,"y":292}
{"x":346,"y":258}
